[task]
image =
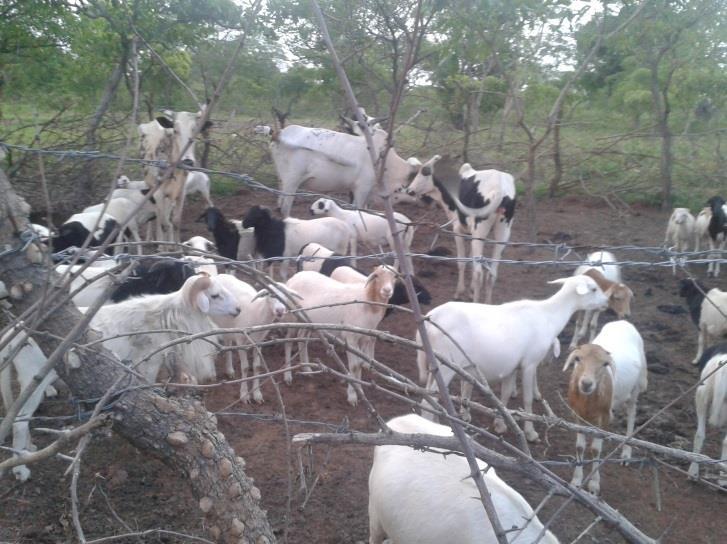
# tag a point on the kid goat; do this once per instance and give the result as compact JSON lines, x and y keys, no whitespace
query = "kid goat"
{"x":607,"y":374}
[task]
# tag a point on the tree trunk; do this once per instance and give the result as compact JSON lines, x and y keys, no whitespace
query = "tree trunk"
{"x":466,"y":128}
{"x":530,"y":204}
{"x":557,"y":162}
{"x":660,"y":101}
{"x":178,"y":431}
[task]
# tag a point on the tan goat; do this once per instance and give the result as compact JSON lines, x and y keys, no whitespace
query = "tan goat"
{"x":608,"y":374}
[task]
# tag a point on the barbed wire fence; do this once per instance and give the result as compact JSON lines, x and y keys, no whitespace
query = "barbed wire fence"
{"x":385,"y":380}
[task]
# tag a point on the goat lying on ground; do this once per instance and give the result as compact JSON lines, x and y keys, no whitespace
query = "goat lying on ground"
{"x":608,"y":374}
{"x":429,"y":497}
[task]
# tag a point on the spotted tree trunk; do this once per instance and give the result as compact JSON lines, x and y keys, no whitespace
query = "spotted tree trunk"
{"x":178,"y":431}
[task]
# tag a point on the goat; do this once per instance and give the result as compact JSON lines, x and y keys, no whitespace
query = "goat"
{"x":500,"y":339}
{"x":314,"y":256}
{"x":324,"y":160}
{"x":325,"y":300}
{"x":608,"y":374}
{"x":286,"y":237}
{"x":77,"y":228}
{"x":717,"y":232}
{"x":709,"y":313}
{"x":122,"y":210}
{"x":187,"y":310}
{"x":711,"y":400}
{"x":27,"y":364}
{"x":475,"y":202}
{"x":169,"y":137}
{"x":347,"y":274}
{"x":701,"y":227}
{"x":369,"y":228}
{"x":198,"y":182}
{"x":258,"y":308}
{"x":680,"y":230}
{"x":608,"y":277}
{"x":429,"y":497}
{"x":233,"y":241}
{"x":152,"y":276}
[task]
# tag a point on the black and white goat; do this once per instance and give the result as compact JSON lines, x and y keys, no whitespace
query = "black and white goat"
{"x":286,"y":237}
{"x":708,"y":309}
{"x":232,"y":239}
{"x":475,"y":202}
{"x":717,"y":232}
{"x":77,"y":228}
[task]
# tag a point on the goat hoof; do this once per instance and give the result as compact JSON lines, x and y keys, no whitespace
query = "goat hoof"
{"x":500,"y":426}
{"x":257,"y":396}
{"x":22,"y":473}
{"x":288,"y":378}
{"x":695,"y":361}
{"x":50,"y":392}
{"x":594,"y":489}
{"x":532,"y":436}
{"x":694,"y":471}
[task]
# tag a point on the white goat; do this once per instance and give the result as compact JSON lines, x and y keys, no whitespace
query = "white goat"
{"x":500,"y":339}
{"x":198,"y":182}
{"x":187,"y":311}
{"x":608,"y":374}
{"x":429,"y":497}
{"x":123,"y":182}
{"x":369,"y":228}
{"x":701,"y":228}
{"x":680,"y":230}
{"x":122,"y":209}
{"x":608,"y":278}
{"x":200,"y":262}
{"x":359,"y":304}
{"x":27,"y":364}
{"x":711,"y":398}
{"x":258,"y":308}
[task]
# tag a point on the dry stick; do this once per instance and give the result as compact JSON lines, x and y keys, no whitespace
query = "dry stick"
{"x":587,"y":529}
{"x":405,"y":264}
{"x":52,"y":449}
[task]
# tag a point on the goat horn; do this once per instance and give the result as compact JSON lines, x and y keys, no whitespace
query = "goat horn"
{"x":202,"y":282}
{"x":569,"y":360}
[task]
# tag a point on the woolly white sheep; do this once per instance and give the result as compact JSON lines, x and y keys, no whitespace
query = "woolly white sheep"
{"x":325,"y":300}
{"x":187,"y":311}
{"x":500,"y":339}
{"x":429,"y":497}
{"x":608,"y":374}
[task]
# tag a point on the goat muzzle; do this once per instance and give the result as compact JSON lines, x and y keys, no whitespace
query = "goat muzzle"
{"x":586,"y":387}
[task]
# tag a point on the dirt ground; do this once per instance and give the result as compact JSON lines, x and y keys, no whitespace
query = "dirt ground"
{"x":123,"y":491}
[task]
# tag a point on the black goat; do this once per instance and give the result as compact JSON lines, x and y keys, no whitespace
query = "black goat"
{"x":152,"y":276}
{"x":693,"y":291}
{"x":224,"y":231}
{"x":269,"y":231}
{"x":710,"y":352}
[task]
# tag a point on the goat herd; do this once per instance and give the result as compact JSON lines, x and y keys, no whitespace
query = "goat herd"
{"x":415,"y":496}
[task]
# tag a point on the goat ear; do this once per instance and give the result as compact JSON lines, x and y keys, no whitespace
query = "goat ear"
{"x":559,"y":281}
{"x":165,"y":122}
{"x":203,"y":303}
{"x":569,"y":361}
{"x":609,"y":292}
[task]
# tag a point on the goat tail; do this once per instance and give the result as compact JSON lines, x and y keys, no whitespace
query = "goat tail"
{"x":422,"y":362}
{"x":6,"y":386}
{"x":719,"y":393}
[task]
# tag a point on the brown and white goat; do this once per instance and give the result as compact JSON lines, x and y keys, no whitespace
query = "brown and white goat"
{"x":360,"y":304}
{"x":607,"y":374}
{"x":619,"y":300}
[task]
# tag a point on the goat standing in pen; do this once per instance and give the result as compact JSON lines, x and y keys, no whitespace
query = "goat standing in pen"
{"x":608,"y":374}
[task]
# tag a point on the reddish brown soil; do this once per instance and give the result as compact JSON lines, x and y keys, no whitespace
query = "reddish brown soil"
{"x":144,"y":493}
